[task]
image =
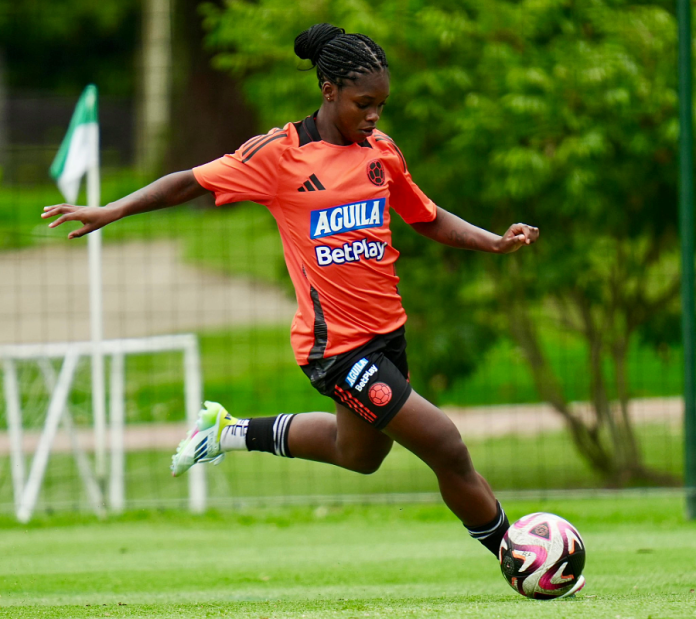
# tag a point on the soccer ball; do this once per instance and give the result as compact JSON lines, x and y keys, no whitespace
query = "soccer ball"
{"x":542,"y":557}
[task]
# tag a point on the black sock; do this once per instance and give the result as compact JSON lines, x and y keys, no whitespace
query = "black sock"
{"x":491,"y":534}
{"x":269,"y":434}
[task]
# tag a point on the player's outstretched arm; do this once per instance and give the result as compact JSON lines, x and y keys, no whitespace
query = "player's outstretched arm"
{"x":169,"y":190}
{"x":449,"y":229}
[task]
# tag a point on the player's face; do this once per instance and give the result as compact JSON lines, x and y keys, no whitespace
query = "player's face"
{"x":359,"y":105}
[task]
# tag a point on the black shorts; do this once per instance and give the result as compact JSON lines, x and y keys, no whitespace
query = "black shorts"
{"x":371,"y":380}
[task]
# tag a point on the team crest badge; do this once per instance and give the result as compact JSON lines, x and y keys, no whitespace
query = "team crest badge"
{"x":375,"y":172}
{"x":380,"y":394}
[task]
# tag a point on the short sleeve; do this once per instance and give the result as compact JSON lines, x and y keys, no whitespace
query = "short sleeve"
{"x":251,"y":173}
{"x":405,"y":197}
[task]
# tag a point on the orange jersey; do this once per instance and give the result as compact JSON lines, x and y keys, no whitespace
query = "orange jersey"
{"x":332,"y":206}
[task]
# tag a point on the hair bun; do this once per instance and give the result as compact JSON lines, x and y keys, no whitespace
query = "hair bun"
{"x":308,"y":44}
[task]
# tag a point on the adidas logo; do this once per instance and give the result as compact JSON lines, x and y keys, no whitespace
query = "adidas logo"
{"x":200,"y":450}
{"x":311,"y":184}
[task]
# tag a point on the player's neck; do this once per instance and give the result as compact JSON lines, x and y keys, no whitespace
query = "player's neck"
{"x":327,"y":129}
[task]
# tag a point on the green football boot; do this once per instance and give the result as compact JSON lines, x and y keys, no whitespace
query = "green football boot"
{"x":202,"y":444}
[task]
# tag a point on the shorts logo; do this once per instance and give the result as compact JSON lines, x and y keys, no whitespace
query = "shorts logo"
{"x":350,"y":252}
{"x":347,"y":217}
{"x":355,"y":371}
{"x":366,"y":378}
{"x":375,"y":172}
{"x":380,"y":394}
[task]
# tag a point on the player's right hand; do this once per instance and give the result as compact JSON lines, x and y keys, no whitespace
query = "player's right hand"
{"x":92,"y":217}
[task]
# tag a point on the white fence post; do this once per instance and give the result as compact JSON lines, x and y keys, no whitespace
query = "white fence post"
{"x":26,"y":494}
{"x":14,"y":428}
{"x":55,"y":411}
{"x":117,"y":499}
{"x":193,"y":385}
{"x":94,"y":492}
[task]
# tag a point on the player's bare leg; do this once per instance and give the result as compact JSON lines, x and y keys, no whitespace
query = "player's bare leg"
{"x":427,"y":432}
{"x":342,"y":439}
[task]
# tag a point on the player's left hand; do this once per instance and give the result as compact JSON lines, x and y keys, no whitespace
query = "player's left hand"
{"x":516,"y":236}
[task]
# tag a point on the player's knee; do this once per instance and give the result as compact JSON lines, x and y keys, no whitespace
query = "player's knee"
{"x":367,"y":468}
{"x":364,"y":464}
{"x":453,"y":456}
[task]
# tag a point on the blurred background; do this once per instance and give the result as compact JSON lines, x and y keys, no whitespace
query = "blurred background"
{"x":561,"y":365}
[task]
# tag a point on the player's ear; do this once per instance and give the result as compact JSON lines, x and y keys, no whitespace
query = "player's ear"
{"x":329,"y":91}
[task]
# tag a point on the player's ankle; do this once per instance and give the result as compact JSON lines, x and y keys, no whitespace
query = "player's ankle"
{"x":233,"y":436}
{"x":269,"y":434}
{"x":492,"y":533}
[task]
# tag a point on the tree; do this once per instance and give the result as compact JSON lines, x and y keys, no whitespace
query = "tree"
{"x":151,"y":52}
{"x":557,"y":113}
{"x":209,"y":115}
{"x":62,"y":47}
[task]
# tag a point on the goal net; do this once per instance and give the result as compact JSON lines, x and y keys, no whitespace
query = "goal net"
{"x":52,"y":444}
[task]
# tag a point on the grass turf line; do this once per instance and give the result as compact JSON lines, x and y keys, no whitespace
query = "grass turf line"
{"x":381,"y":561}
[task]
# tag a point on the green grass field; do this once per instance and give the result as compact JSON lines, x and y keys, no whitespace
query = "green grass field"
{"x":352,"y":562}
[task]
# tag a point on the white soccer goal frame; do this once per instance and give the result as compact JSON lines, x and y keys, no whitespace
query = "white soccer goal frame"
{"x":26,"y":489}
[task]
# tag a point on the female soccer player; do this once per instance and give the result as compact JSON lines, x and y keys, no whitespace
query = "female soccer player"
{"x":331,"y":181}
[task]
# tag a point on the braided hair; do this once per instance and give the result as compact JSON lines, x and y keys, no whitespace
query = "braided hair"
{"x":339,"y":56}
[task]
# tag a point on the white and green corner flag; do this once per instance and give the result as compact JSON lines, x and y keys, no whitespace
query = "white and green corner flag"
{"x":80,"y":148}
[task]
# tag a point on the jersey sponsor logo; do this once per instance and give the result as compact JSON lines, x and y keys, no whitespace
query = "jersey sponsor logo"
{"x":366,"y":377}
{"x":350,"y":252}
{"x":347,"y":217}
{"x":375,"y":172}
{"x":355,"y":371}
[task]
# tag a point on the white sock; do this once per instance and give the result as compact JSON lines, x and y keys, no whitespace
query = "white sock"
{"x":233,"y":437}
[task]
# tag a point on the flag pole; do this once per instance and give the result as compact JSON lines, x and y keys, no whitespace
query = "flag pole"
{"x":78,"y":156}
{"x":97,"y":330}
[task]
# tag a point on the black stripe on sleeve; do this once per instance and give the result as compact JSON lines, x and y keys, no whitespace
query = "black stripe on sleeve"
{"x":398,"y":152}
{"x":252,"y":142}
{"x":272,"y":138}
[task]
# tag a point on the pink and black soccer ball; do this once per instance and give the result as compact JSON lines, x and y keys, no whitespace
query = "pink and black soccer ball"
{"x":542,"y":557}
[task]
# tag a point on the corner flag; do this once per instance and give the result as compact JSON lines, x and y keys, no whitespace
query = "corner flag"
{"x":80,"y":148}
{"x":79,"y":156}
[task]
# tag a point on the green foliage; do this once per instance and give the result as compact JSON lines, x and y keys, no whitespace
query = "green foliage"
{"x":64,"y":46}
{"x":557,"y":114}
{"x":554,"y":113}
